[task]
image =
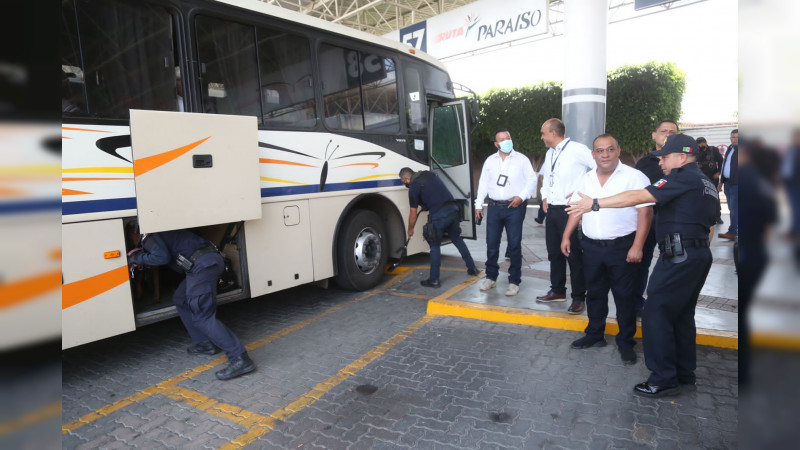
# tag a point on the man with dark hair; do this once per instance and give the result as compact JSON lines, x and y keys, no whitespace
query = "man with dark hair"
{"x":729,"y":180}
{"x":649,"y":165}
{"x":509,"y":180}
{"x":564,"y":164}
{"x":427,"y":190}
{"x":195,"y":297}
{"x":612,"y":247}
{"x":710,"y":162}
{"x":684,"y":226}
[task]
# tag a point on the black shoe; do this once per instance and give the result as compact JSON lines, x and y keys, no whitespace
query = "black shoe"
{"x":203,"y":348}
{"x":647,"y":390}
{"x":238,"y":366}
{"x":538,"y":220}
{"x":474,"y":272}
{"x":430,"y":283}
{"x":588,"y":342}
{"x":720,"y":222}
{"x":628,"y":355}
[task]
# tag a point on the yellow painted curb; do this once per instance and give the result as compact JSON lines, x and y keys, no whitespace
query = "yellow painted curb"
{"x":561,"y":321}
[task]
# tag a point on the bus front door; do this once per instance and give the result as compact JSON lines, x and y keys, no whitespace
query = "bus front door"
{"x":449,"y":157}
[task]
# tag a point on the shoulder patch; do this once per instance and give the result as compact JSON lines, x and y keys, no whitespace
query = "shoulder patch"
{"x":660,"y":183}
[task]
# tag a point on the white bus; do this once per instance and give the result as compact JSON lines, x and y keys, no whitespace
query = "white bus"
{"x":277,"y":136}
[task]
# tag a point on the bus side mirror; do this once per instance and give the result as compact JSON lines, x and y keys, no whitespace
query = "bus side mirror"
{"x":475,"y":110}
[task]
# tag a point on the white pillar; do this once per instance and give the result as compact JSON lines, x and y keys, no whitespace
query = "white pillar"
{"x":583,"y":103}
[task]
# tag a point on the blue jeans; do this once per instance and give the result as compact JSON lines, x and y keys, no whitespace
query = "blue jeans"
{"x":499,"y":217}
{"x":732,"y":194}
{"x":446,"y":220}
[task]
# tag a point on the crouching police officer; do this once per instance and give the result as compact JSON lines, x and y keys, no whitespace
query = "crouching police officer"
{"x":426,"y":189}
{"x":195,"y":297}
{"x":688,"y":207}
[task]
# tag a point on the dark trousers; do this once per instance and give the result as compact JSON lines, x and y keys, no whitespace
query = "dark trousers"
{"x":732,"y":194}
{"x":446,"y":220}
{"x":644,"y":268}
{"x":195,"y":300}
{"x":554,"y":228}
{"x":606,"y":268}
{"x":669,"y":333}
{"x":498,"y":218}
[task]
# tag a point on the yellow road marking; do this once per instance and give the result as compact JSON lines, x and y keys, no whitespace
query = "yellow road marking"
{"x":546,"y":319}
{"x":31,"y":418}
{"x":307,"y":399}
{"x":191,"y":373}
{"x":403,"y":294}
{"x":210,"y":406}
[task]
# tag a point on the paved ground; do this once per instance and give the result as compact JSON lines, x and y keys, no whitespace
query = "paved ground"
{"x":343,"y":370}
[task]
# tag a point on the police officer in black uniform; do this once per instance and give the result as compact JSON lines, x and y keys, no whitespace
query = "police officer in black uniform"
{"x":195,"y":297}
{"x":428,"y":191}
{"x":688,"y":207}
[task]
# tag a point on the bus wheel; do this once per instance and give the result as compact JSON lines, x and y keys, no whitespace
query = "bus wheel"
{"x":361,"y":251}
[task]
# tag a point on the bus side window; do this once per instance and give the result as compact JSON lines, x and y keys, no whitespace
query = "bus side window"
{"x":379,"y":85}
{"x":287,"y":89}
{"x":227,"y":54}
{"x":128,"y":53}
{"x":341,"y":87}
{"x":416,"y":113}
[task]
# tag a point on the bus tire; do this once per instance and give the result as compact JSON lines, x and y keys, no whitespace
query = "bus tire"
{"x":361,"y":252}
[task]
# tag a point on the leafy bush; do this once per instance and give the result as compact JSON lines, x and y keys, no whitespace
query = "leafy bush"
{"x":638,"y":97}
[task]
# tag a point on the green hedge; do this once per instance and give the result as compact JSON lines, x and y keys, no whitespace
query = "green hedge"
{"x":638,"y":97}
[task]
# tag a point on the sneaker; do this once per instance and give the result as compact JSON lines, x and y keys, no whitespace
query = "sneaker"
{"x":512,"y":290}
{"x":488,"y":284}
{"x":238,"y":366}
{"x":203,"y":348}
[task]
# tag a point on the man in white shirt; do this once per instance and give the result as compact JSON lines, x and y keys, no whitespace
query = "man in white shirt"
{"x":509,"y":180}
{"x":564,"y":165}
{"x":612,"y":247}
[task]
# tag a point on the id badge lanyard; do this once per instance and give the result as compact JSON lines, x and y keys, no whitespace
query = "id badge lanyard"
{"x":553,"y":164}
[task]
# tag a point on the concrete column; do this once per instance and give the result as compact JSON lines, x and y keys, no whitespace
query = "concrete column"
{"x":583,"y":104}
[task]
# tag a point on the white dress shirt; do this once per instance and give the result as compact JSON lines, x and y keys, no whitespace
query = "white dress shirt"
{"x":520,"y":178}
{"x":566,"y":163}
{"x":611,"y":223}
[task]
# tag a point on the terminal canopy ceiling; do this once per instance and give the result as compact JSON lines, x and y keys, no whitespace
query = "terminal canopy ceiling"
{"x":372,"y":16}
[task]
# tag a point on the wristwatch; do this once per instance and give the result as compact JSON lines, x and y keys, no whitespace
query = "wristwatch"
{"x":595,"y":205}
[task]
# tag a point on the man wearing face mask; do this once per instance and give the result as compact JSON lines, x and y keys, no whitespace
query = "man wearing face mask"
{"x":509,"y":180}
{"x":427,"y":190}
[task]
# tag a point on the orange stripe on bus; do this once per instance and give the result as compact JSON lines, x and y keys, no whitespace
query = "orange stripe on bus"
{"x":83,"y":290}
{"x":374,"y":165}
{"x":144,"y":165}
{"x":280,"y":161}
{"x":72,"y":192}
{"x":84,"y":129}
{"x":94,"y":179}
{"x":20,"y":291}
{"x":10,"y":192}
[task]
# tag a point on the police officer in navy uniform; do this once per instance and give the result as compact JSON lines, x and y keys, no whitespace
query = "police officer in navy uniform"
{"x":427,"y":190}
{"x":195,"y":297}
{"x":688,"y":207}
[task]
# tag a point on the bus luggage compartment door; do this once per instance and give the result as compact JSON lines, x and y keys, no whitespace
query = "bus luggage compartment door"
{"x":194,"y":170}
{"x":279,"y":248}
{"x":96,"y":297}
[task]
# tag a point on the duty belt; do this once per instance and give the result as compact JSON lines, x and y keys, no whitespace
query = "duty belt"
{"x":687,"y":243}
{"x":503,"y":202}
{"x":202,"y":251}
{"x":611,"y":242}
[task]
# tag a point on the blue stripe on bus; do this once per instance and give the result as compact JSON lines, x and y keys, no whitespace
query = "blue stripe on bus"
{"x":92,"y":206}
{"x":29,"y":206}
{"x":119,"y":204}
{"x":313,"y":188}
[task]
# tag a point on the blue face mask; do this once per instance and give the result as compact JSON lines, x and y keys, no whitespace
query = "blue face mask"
{"x":506,"y":146}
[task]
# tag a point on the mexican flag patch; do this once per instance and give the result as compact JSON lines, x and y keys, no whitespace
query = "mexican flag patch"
{"x":660,"y":183}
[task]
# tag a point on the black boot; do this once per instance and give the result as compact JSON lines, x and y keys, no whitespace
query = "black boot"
{"x":238,"y":366}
